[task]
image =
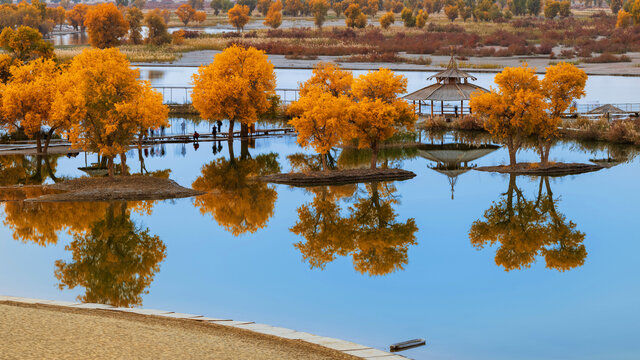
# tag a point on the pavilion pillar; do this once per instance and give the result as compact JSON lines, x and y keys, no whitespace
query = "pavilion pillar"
{"x":420,"y":107}
{"x":442,"y":108}
{"x":461,"y":107}
{"x":431,"y":108}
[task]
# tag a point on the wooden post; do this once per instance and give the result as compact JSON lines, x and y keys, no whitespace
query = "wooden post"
{"x":431,"y":108}
{"x":442,"y":108}
{"x":461,"y":107}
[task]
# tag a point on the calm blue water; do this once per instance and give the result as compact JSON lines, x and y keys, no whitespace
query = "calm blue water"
{"x":598,"y":88}
{"x":452,"y":294}
{"x":232,"y":254}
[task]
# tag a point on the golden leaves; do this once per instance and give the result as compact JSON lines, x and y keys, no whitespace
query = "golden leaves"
{"x":522,"y":105}
{"x":104,"y":102}
{"x":236,"y":86}
{"x":274,"y":15}
{"x":334,"y":108}
{"x":27,"y":99}
{"x":105,"y":25}
{"x":238,"y":16}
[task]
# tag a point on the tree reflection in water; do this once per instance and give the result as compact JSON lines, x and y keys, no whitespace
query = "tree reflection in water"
{"x":115,"y":260}
{"x":526,"y":229}
{"x":27,"y":170}
{"x":376,"y":241}
{"x":235,"y":201}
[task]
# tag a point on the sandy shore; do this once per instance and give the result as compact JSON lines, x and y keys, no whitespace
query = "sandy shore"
{"x":51,"y":332}
{"x":203,"y":57}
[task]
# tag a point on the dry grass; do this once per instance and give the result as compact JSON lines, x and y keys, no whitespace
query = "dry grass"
{"x":468,"y":65}
{"x":134,"y":53}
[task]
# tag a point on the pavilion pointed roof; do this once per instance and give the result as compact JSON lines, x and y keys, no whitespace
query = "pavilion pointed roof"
{"x":452,"y":71}
{"x":449,"y":86}
{"x":606,"y":109}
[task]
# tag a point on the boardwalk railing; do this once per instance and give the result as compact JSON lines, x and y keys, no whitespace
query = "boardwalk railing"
{"x":182,"y":94}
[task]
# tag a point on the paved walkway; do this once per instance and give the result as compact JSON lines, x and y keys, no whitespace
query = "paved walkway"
{"x":34,"y":331}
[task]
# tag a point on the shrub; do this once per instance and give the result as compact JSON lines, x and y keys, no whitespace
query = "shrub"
{"x":607,"y":58}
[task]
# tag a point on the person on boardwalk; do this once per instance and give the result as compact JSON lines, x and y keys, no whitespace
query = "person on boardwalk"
{"x":196,"y":136}
{"x":455,"y":109}
{"x":219,"y":123}
{"x":214,"y":132}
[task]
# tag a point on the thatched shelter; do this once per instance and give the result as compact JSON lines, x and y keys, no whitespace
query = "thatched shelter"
{"x":452,"y":84}
{"x":606,"y":110}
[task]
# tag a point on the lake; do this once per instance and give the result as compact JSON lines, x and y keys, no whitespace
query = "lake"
{"x":391,"y":261}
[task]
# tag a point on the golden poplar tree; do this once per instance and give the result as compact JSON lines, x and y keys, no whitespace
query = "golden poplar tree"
{"x":377,"y":113}
{"x":236,"y":86}
{"x":106,"y":104}
{"x":322,"y":123}
{"x":274,"y":15}
{"x":513,"y":111}
{"x":561,"y":86}
{"x":105,"y":25}
{"x":28,"y":98}
{"x":319,"y":10}
{"x":319,"y":114}
{"x":238,"y":16}
{"x":186,"y":13}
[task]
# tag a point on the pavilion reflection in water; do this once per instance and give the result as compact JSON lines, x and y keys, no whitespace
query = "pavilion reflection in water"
{"x":454,"y":159}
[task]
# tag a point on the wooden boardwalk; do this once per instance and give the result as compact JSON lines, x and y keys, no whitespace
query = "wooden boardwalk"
{"x":221,"y":136}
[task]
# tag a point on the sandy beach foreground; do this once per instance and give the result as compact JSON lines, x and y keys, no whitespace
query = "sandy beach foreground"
{"x":51,"y":332}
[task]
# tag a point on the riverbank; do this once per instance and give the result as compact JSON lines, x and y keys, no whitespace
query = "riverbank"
{"x":39,"y":331}
{"x":477,"y":64}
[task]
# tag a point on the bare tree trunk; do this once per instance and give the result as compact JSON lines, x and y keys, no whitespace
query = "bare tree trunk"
{"x":512,"y":153}
{"x":141,"y":160}
{"x":230,"y":137}
{"x":48,"y":140}
{"x":244,"y":130}
{"x":123,"y":164}
{"x":38,"y":143}
{"x":374,"y":155}
{"x":110,"y":165}
{"x":324,"y":161}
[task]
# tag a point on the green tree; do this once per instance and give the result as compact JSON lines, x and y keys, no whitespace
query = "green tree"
{"x":534,"y":7}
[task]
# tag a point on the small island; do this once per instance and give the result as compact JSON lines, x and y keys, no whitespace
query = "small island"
{"x":351,"y":176}
{"x":126,"y":188}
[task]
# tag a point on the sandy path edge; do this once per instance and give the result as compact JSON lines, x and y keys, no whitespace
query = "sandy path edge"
{"x":97,"y":318}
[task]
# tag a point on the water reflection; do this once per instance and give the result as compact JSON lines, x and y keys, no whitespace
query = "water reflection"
{"x":27,"y":170}
{"x":453,"y":159}
{"x":115,"y":261}
{"x":376,"y":241}
{"x":236,"y":201}
{"x":526,"y":229}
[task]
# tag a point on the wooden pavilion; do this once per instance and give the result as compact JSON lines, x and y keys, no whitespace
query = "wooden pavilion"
{"x":452,"y":84}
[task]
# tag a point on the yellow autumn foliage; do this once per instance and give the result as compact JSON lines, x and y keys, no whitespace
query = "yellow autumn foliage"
{"x":236,"y":86}
{"x":105,"y":103}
